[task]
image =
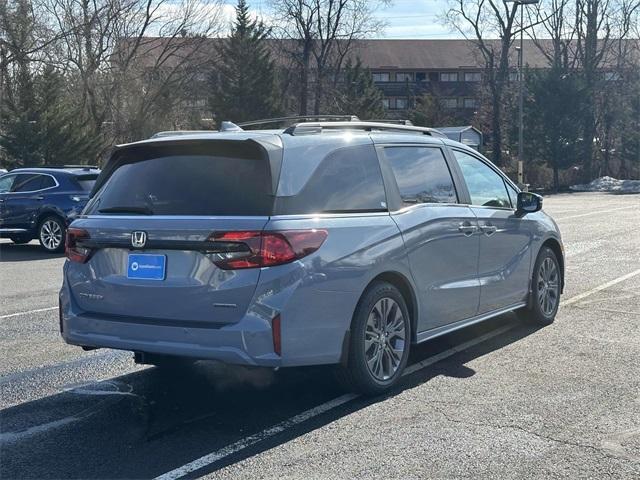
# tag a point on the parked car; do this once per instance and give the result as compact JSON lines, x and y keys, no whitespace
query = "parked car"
{"x":325,"y":243}
{"x":41,"y":202}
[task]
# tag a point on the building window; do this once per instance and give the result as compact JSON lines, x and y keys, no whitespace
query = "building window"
{"x":449,"y":77}
{"x":514,"y":76}
{"x":470,"y":103}
{"x":402,"y":103}
{"x":404,"y":77}
{"x":450,"y":102}
{"x":421,"y":77}
{"x":385,"y":103}
{"x":472,"y":77}
{"x":381,"y":77}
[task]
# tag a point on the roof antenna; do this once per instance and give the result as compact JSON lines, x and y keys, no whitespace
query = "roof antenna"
{"x":227,"y":126}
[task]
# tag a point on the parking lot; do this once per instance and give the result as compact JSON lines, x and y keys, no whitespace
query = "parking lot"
{"x":497,"y":400}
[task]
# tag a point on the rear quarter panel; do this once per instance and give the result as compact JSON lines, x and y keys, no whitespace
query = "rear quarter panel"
{"x":318,"y":295}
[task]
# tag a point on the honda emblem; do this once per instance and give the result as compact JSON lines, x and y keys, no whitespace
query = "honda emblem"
{"x":138,"y":239}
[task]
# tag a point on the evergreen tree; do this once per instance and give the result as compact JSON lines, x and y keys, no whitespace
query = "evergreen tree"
{"x":243,"y":88}
{"x":19,"y":118}
{"x":62,"y":137}
{"x":358,"y":94}
{"x":41,"y":125}
{"x":18,"y":112}
{"x":429,"y":112}
{"x":555,"y":102}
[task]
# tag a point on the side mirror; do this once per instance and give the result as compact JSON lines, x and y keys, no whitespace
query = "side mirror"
{"x":528,"y":203}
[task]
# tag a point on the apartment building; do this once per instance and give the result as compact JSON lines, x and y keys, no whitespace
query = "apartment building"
{"x":450,"y":70}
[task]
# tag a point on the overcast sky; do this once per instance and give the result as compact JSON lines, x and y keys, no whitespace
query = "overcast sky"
{"x":405,"y":18}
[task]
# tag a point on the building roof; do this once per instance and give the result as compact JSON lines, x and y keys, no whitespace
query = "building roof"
{"x":429,"y":54}
{"x":376,"y":54}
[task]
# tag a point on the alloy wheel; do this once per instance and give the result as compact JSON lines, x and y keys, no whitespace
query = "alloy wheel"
{"x":548,"y":286}
{"x":384,"y":339}
{"x":51,"y":234}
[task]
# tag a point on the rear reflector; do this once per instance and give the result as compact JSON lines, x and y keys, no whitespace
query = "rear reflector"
{"x":277,"y":334}
{"x":73,"y":251}
{"x":254,"y":249}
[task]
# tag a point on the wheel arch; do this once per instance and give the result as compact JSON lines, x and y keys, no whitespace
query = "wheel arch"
{"x":49,"y":212}
{"x":402,"y":283}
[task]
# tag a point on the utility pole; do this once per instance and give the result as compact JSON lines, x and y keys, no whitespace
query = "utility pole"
{"x":521,"y":4}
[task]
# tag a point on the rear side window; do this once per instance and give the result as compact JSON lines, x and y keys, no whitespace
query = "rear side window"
{"x":486,"y":187}
{"x":27,"y":182}
{"x":47,"y":182}
{"x":187,"y":181}
{"x":422,"y":175}
{"x":348,"y":180}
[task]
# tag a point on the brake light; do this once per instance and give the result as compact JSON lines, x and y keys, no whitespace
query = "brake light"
{"x":254,"y":249}
{"x":73,"y":251}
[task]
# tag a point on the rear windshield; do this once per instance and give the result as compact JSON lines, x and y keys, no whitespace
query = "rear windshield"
{"x":86,"y":182}
{"x":189,"y":182}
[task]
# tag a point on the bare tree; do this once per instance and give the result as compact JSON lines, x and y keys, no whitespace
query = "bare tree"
{"x":128,"y":55}
{"x":323,"y":33}
{"x":480,"y":20}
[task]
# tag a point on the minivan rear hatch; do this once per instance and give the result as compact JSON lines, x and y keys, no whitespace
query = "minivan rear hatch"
{"x":146,"y":247}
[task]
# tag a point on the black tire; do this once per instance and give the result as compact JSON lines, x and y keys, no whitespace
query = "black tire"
{"x":51,"y":233}
{"x":537,"y":312}
{"x":20,"y":240}
{"x":357,"y":375}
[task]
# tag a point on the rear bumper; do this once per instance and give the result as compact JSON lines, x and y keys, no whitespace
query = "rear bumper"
{"x":307,"y":338}
{"x":248,"y":342}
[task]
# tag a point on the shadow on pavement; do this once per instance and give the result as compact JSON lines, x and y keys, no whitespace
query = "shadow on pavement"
{"x":150,"y":422}
{"x":10,"y":252}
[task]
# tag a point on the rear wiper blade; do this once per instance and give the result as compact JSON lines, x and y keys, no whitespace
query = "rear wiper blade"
{"x":123,"y":209}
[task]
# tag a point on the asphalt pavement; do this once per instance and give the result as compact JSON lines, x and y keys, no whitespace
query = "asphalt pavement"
{"x":496,"y":400}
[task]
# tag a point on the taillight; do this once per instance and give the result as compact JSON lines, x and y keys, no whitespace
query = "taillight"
{"x":73,"y":251}
{"x":254,"y":249}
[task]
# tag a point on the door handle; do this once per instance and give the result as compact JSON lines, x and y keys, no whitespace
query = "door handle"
{"x":39,"y":197}
{"x":467,"y":228}
{"x":489,"y":229}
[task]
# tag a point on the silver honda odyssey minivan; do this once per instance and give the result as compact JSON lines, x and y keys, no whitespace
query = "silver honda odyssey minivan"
{"x":323,"y":243}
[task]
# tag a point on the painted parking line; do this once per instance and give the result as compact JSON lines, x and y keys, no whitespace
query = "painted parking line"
{"x":599,"y":288}
{"x":595,"y":212}
{"x":37,"y":310}
{"x":240,"y":445}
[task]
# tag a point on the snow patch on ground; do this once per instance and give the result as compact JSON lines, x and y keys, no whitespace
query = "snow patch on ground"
{"x":609,"y":184}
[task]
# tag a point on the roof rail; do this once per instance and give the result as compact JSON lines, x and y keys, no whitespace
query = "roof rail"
{"x":62,"y":167}
{"x":351,"y":118}
{"x":318,"y":127}
{"x":402,"y":121}
{"x":171,"y":133}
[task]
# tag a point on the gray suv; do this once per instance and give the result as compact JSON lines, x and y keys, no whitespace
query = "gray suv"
{"x":323,"y":243}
